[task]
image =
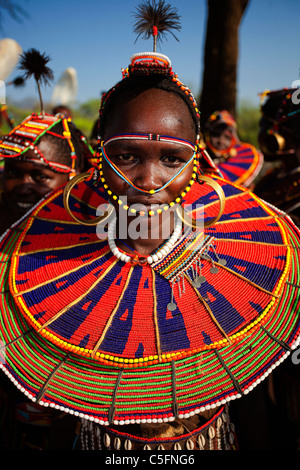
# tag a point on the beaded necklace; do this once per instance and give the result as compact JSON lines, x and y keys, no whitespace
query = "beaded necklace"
{"x":136,"y":259}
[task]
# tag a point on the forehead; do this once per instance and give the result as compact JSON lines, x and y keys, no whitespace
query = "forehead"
{"x":22,"y":165}
{"x":152,"y":111}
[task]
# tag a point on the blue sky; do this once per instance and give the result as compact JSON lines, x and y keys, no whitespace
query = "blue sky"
{"x":95,"y":37}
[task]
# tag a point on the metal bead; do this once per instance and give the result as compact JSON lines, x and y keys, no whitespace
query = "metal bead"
{"x":214,"y":270}
{"x":171,"y":306}
{"x":222,"y":262}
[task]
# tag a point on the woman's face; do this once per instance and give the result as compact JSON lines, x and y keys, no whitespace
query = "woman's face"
{"x":149,"y":164}
{"x":221,"y":139}
{"x":25,"y":183}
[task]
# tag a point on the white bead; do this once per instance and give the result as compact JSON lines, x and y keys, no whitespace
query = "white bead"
{"x":155,"y":258}
{"x":149,"y":259}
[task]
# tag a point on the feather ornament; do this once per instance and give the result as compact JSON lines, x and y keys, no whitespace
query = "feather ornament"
{"x":156,"y":19}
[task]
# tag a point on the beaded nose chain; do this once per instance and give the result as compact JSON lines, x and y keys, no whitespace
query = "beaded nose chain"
{"x":151,"y":137}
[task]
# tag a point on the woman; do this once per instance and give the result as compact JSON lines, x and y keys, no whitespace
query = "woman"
{"x":238,"y":161}
{"x":138,"y":330}
{"x":40,"y":155}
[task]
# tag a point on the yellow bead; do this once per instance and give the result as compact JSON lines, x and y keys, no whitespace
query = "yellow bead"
{"x":151,"y":191}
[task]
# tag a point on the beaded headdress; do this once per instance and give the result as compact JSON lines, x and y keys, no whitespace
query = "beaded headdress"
{"x":116,"y":343}
{"x":155,"y":20}
{"x":240,"y":162}
{"x":26,"y":136}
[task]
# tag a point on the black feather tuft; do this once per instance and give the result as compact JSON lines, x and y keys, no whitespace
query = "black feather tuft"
{"x":34,"y":65}
{"x":161,"y":15}
{"x":18,"y":81}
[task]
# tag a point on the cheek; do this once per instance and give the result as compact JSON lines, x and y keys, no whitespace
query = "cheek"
{"x":180,"y":183}
{"x":9,"y":185}
{"x":55,"y":183}
{"x":114,"y":182}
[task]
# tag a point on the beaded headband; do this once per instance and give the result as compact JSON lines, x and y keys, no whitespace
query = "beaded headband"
{"x":26,"y":135}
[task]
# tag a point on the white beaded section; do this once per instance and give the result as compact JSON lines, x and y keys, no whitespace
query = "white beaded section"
{"x":151,"y":54}
{"x":166,"y":248}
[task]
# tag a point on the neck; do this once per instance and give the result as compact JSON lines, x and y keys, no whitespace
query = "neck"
{"x":143,"y":235}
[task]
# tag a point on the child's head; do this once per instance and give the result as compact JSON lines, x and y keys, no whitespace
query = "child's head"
{"x":41,"y":154}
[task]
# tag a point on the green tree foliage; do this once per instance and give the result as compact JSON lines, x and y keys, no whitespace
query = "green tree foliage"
{"x":248,"y":122}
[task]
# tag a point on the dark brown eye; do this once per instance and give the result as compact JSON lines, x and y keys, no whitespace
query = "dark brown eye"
{"x":126,"y":157}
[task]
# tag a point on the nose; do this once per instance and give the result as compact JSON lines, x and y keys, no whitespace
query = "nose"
{"x":25,"y":179}
{"x":25,"y":187}
{"x":149,"y":177}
